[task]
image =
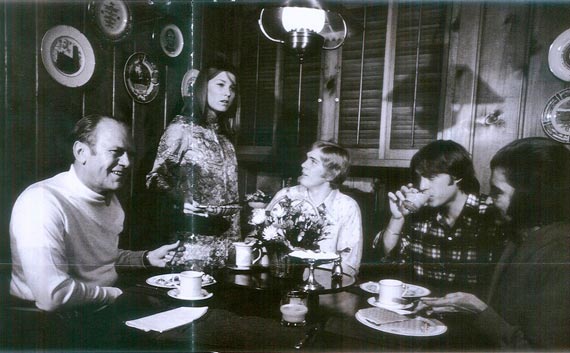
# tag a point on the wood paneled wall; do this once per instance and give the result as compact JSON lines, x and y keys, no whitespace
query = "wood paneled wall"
{"x":498,"y":64}
{"x":38,"y":113}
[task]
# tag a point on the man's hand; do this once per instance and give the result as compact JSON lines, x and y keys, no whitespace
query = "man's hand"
{"x":397,"y":201}
{"x":454,"y":303}
{"x":157,"y":257}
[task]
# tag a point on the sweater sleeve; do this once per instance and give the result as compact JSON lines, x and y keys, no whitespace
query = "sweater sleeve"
{"x":37,"y":239}
{"x":131,"y":258}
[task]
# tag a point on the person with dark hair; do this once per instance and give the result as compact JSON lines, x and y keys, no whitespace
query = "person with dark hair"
{"x":196,"y":167}
{"x":527,"y":306}
{"x":323,"y":173}
{"x":453,"y":240}
{"x":64,"y":231}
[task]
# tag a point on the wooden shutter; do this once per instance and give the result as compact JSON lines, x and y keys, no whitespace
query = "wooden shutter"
{"x":257,"y":86}
{"x":391,"y":80}
{"x":416,"y":91}
{"x":362,"y":77}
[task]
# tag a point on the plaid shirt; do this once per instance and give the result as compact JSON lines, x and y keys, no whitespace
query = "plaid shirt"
{"x":458,"y":255}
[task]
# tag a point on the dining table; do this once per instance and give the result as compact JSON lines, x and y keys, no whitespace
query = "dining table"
{"x":243,"y":315}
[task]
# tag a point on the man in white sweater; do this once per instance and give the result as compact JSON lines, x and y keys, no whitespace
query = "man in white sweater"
{"x":64,"y":231}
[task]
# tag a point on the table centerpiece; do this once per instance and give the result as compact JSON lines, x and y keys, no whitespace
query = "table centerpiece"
{"x":285,"y":226}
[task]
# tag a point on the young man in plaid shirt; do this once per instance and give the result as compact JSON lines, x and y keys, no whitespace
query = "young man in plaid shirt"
{"x":453,"y":239}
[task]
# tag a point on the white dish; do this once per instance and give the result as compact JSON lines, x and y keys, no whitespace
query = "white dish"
{"x":187,"y":82}
{"x":372,"y":301}
{"x":418,"y":327}
{"x":171,"y":40}
{"x":559,"y":56}
{"x":556,"y":117}
{"x":68,"y":56}
{"x":174,"y":293}
{"x":112,"y":18}
{"x":171,"y":280}
{"x":308,"y":254}
{"x":239,"y":268}
{"x":142,"y":78}
{"x":412,"y":290}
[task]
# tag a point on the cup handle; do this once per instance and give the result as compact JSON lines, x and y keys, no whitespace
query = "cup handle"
{"x":405,"y":290}
{"x":259,"y":255}
{"x":376,"y":287}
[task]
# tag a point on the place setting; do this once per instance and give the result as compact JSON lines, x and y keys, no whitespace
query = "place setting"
{"x":186,"y":285}
{"x":393,"y":309}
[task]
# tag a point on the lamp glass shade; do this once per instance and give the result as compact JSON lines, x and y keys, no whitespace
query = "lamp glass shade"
{"x":302,"y":18}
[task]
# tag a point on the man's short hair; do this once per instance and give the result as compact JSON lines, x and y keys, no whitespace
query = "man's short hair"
{"x":446,"y":157}
{"x":539,"y":171}
{"x":84,"y":130}
{"x":336,"y":161}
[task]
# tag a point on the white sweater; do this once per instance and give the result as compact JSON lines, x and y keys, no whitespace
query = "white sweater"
{"x":64,"y":241}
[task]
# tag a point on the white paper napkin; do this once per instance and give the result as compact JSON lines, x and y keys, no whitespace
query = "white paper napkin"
{"x":168,"y":320}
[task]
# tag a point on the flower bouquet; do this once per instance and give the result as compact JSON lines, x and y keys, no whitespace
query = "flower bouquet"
{"x":287,"y":226}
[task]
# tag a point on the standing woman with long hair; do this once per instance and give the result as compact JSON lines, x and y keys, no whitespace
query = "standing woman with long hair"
{"x":196,"y":166}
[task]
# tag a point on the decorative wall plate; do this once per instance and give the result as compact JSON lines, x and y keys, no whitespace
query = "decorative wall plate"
{"x":112,"y":18}
{"x":68,"y":56}
{"x":171,"y":40}
{"x":142,"y":78}
{"x":188,"y":81}
{"x":559,"y":56}
{"x":556,"y":117}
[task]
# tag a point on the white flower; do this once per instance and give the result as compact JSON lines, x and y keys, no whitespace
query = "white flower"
{"x":278,"y":211}
{"x":270,"y":233}
{"x":258,"y":216}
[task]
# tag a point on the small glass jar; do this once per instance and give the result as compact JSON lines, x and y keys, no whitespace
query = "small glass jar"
{"x":294,"y":308}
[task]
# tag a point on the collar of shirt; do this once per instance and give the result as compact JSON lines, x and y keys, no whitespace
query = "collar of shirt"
{"x":471,"y":207}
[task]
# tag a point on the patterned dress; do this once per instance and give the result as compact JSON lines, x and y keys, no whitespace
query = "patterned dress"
{"x":197,"y":163}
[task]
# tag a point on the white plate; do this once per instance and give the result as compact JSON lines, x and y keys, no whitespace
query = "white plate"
{"x":239,"y":268}
{"x":418,"y":327}
{"x":112,"y":18}
{"x":170,"y":280}
{"x":308,"y":254}
{"x":412,"y":290}
{"x":173,"y":293}
{"x":142,"y":78}
{"x":372,"y":301}
{"x":171,"y":40}
{"x":559,"y":56}
{"x":187,"y":82}
{"x":556,"y":117}
{"x":68,"y":56}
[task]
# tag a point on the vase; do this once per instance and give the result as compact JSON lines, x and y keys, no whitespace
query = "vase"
{"x":279,"y":263}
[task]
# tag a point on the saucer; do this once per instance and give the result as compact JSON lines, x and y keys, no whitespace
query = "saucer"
{"x":239,"y":268}
{"x":173,"y":293}
{"x":372,"y":301}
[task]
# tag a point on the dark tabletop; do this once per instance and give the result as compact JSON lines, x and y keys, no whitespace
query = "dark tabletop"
{"x":243,"y":315}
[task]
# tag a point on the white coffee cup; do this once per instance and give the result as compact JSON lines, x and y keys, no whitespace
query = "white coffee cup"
{"x":390,"y":291}
{"x":244,"y":254}
{"x":190,"y":284}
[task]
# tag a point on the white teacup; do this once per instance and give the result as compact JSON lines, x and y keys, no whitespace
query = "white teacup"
{"x":244,"y":254}
{"x":390,"y":291}
{"x":190,"y":284}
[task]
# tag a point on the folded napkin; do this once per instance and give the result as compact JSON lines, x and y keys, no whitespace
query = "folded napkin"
{"x":167,"y":320}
